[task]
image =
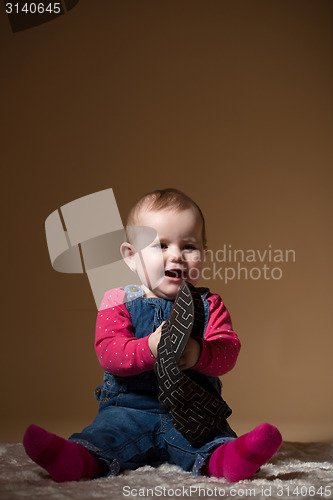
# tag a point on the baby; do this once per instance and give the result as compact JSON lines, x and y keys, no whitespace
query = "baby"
{"x":132,"y":429}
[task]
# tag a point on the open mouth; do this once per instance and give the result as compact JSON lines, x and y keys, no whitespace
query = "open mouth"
{"x":174,"y":273}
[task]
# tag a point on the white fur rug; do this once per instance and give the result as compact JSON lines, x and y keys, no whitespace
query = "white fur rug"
{"x":298,"y":471}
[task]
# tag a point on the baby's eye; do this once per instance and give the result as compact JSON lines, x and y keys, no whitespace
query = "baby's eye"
{"x":189,"y":246}
{"x":162,"y":246}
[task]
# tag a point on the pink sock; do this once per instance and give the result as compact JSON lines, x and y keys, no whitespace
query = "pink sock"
{"x":241,"y":458}
{"x":64,"y":460}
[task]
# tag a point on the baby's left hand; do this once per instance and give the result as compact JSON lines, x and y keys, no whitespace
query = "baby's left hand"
{"x":190,"y":355}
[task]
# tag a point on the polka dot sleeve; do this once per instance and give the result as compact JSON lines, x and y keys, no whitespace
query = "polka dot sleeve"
{"x":117,"y":349}
{"x":220,"y":346}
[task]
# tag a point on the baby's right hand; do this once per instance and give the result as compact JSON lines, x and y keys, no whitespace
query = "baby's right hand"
{"x":154,"y":339}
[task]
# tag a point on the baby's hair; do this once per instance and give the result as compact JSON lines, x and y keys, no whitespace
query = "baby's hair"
{"x":163,"y":199}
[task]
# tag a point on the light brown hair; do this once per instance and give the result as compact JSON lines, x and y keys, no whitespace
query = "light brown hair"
{"x":162,"y":199}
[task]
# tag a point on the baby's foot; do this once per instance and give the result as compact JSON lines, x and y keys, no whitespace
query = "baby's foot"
{"x":64,"y":460}
{"x":241,"y":458}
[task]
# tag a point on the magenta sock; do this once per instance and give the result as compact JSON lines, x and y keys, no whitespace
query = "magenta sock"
{"x":64,"y":460}
{"x":241,"y":458}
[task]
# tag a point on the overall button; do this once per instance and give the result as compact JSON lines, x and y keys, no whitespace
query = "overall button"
{"x":98,"y":392}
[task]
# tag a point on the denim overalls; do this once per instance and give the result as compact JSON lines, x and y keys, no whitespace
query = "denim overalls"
{"x":132,"y":429}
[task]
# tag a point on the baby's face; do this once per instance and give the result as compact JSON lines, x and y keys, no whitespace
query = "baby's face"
{"x":175,"y":255}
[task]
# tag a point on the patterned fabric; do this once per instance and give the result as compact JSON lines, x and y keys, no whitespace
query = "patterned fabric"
{"x":194,"y":407}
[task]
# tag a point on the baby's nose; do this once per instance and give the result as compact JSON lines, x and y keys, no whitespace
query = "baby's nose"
{"x":175,"y":254}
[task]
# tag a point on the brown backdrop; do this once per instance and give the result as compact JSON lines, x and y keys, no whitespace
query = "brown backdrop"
{"x":230,"y":101}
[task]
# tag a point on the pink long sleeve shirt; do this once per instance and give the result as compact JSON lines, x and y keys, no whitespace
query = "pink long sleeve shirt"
{"x":122,"y":354}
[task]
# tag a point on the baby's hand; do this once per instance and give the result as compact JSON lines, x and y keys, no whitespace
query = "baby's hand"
{"x":154,"y":339}
{"x":190,"y":355}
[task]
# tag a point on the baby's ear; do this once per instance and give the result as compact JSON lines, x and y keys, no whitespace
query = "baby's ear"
{"x":127,"y":252}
